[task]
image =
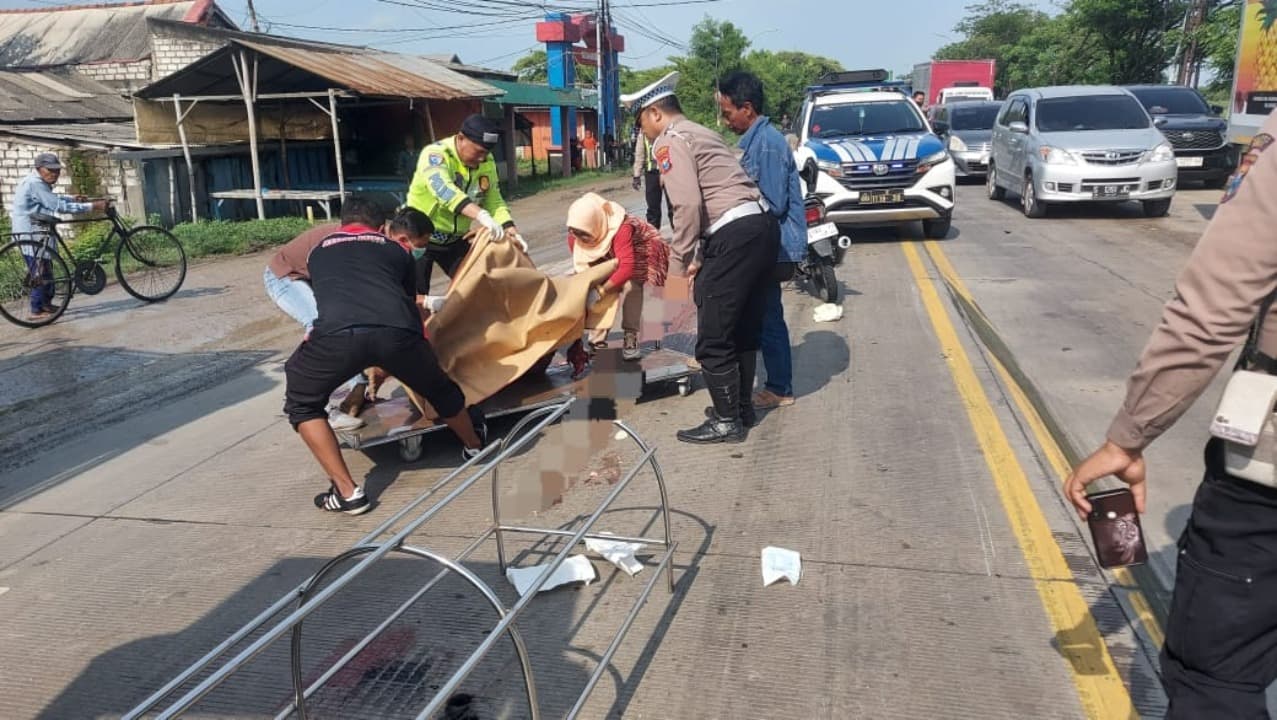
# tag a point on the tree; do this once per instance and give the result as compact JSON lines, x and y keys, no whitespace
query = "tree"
{"x":716,"y":48}
{"x":535,"y":68}
{"x":994,"y":29}
{"x":1131,"y":35}
{"x":785,"y":76}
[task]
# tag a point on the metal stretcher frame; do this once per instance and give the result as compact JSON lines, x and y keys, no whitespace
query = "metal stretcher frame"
{"x":371,"y":550}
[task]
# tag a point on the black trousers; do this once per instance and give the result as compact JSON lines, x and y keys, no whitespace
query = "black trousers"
{"x":1221,"y":636}
{"x":321,"y":364}
{"x":738,"y":263}
{"x":652,"y":186}
{"x":447,"y":257}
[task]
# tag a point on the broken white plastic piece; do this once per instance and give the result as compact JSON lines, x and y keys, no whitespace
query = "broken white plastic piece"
{"x":781,"y":563}
{"x":575,"y":569}
{"x":828,"y":312}
{"x":620,"y":554}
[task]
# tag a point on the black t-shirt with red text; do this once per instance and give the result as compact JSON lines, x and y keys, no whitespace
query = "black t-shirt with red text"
{"x":362,"y":278}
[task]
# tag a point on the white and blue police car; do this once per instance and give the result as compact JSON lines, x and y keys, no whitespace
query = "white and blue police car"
{"x":873,"y":156}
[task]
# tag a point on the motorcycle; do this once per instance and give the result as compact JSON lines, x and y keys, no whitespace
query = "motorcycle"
{"x":825,"y":250}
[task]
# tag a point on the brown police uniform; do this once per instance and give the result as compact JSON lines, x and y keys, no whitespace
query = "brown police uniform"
{"x":1221,"y":636}
{"x":720,"y":220}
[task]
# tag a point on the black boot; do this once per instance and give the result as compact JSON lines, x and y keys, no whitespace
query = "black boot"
{"x":724,"y":426}
{"x":748,"y":417}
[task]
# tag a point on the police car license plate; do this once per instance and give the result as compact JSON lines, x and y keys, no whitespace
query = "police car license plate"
{"x":882,"y":197}
{"x":1189,"y":161}
{"x":821,"y":231}
{"x":1111,"y":191}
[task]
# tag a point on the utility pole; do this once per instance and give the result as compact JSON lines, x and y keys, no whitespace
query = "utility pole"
{"x":598,"y":73}
{"x":252,"y":17}
{"x":1188,"y":58}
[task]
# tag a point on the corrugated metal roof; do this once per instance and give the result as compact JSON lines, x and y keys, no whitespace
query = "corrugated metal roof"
{"x":35,"y":96}
{"x":77,"y":35}
{"x":91,"y":135}
{"x":295,"y":65}
{"x":517,"y":93}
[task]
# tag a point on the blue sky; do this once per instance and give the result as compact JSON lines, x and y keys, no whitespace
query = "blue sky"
{"x":892,"y":34}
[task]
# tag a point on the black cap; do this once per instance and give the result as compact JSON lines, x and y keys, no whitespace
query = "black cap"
{"x":481,"y":130}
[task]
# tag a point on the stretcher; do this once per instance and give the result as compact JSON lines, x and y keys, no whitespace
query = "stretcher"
{"x":665,"y":361}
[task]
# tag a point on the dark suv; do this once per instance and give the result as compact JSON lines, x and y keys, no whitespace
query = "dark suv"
{"x":1193,"y":128}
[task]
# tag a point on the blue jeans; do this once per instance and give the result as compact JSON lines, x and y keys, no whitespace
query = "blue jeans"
{"x":293,"y":297}
{"x":297,"y":299}
{"x":41,"y":295}
{"x":774,"y":344}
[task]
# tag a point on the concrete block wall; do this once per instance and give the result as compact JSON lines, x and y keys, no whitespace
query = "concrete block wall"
{"x":170,"y":53}
{"x":120,"y":180}
{"x":119,"y":74}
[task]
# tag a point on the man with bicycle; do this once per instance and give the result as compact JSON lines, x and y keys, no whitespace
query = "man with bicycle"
{"x":34,"y":195}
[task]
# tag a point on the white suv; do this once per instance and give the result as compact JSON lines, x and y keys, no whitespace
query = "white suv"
{"x":875,"y":159}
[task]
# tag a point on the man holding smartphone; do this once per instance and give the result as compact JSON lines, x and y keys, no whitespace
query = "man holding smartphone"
{"x":1221,"y":649}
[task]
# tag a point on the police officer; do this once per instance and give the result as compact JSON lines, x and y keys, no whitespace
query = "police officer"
{"x":646,"y":176}
{"x":727,"y":242}
{"x":455,"y":185}
{"x":1221,"y":649}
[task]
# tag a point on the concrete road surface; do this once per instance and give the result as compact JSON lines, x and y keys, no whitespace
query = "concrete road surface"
{"x":154,"y":499}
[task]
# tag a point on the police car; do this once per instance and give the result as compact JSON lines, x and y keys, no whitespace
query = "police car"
{"x":872,"y":155}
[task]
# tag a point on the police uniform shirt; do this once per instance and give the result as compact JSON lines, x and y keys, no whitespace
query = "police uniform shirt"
{"x":703,"y":180}
{"x":1217,"y":296}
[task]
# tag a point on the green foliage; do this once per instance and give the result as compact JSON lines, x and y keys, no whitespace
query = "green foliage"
{"x":90,"y":241}
{"x":716,"y":48}
{"x":84,"y":174}
{"x":786,"y":75}
{"x":535,"y":68}
{"x":221,"y":237}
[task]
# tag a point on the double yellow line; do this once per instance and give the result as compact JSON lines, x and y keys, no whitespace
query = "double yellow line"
{"x":1101,"y":691}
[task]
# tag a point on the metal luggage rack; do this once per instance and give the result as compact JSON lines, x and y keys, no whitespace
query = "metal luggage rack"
{"x":371,"y":549}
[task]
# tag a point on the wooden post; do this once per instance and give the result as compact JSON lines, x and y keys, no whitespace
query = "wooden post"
{"x":248,"y":86}
{"x":332,"y":113}
{"x":511,"y":157}
{"x":430,"y":123}
{"x":186,"y":151}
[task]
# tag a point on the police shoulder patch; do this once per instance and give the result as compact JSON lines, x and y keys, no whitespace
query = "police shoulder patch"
{"x":1258,"y":144}
{"x":435,"y":159}
{"x":663,"y":161}
{"x":484,"y":183}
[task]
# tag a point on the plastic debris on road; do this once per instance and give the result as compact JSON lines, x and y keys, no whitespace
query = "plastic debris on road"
{"x":828,"y":312}
{"x":781,"y":563}
{"x":575,"y":569}
{"x":617,"y":552}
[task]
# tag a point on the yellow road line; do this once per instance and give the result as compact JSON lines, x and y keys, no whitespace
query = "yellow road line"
{"x":1050,"y":448}
{"x":1100,"y":689}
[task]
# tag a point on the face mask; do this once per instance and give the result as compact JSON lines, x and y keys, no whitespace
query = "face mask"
{"x":418,"y":253}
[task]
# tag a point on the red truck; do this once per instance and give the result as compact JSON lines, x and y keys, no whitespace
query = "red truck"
{"x":949,"y":80}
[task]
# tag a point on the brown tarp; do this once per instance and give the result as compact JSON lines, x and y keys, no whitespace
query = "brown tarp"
{"x":503,"y":316}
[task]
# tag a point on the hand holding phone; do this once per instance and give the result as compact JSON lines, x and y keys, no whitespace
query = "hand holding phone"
{"x":1115,"y":529}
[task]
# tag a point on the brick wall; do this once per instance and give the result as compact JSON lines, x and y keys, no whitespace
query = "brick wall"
{"x":170,"y":53}
{"x":121,"y":74}
{"x":119,"y":180}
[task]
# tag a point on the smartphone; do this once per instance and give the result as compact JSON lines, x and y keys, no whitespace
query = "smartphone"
{"x":1115,"y":529}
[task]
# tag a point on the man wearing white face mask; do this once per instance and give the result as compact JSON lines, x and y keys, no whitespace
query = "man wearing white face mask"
{"x":412,"y":229}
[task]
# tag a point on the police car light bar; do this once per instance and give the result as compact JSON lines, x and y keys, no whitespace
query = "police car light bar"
{"x":854,"y":77}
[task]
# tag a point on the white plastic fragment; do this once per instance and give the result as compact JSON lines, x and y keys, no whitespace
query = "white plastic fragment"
{"x":827,"y":312}
{"x":781,"y":563}
{"x":620,"y":435}
{"x":575,"y":569}
{"x":617,"y":552}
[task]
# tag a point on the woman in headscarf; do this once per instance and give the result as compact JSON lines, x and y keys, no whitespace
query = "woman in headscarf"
{"x":600,"y":230}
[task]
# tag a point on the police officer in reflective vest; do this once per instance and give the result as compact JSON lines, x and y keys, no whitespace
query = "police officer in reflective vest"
{"x":1221,"y":646}
{"x":456,"y":186}
{"x":726,"y":241}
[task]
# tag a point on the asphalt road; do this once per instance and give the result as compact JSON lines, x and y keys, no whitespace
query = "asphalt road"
{"x":153,"y":499}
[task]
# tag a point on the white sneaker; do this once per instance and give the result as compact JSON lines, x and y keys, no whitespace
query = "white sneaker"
{"x":341,"y":421}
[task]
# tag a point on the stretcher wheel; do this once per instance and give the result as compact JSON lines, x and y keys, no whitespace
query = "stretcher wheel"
{"x":684,"y":387}
{"x":411,"y":449}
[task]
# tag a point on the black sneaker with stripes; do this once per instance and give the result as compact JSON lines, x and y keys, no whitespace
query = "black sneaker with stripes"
{"x":332,"y":501}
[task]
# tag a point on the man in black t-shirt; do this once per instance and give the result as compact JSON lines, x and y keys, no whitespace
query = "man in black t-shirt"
{"x":365,"y":288}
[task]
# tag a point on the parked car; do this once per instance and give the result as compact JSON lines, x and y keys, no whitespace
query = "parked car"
{"x":875,"y":159}
{"x":969,"y":134}
{"x":1080,"y":144}
{"x":1195,"y":130}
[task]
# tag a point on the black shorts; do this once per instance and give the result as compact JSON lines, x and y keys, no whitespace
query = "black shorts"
{"x":321,"y":364}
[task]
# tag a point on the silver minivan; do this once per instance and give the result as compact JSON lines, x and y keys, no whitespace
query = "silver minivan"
{"x":1080,"y":144}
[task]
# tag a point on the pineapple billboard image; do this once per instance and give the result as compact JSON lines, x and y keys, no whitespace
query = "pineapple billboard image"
{"x":1255,"y":80}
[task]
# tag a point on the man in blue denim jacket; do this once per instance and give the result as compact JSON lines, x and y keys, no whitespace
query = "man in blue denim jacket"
{"x":769,"y":161}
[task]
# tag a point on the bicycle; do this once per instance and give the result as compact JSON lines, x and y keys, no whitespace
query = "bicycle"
{"x":150,"y":264}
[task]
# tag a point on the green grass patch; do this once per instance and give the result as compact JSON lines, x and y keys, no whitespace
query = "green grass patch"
{"x":223,"y":237}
